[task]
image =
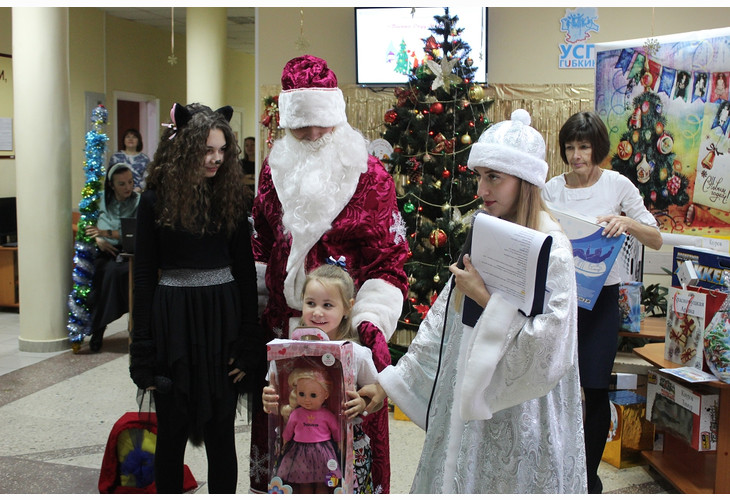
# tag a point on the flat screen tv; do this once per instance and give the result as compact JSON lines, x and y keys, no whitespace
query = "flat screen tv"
{"x":8,"y":220}
{"x":381,"y":33}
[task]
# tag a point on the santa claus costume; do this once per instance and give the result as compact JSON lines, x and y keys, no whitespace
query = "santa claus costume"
{"x":320,"y":199}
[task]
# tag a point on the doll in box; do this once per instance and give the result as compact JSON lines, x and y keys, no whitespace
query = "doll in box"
{"x":310,"y":458}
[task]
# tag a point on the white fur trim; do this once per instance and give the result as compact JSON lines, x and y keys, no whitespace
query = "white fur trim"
{"x":510,"y":161}
{"x":402,"y":395}
{"x":380,"y":303}
{"x":263,"y":292}
{"x":311,"y":107}
{"x":479,"y":360}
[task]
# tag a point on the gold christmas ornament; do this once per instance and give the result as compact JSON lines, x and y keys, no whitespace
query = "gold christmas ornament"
{"x":476,"y":93}
{"x":465,"y":139}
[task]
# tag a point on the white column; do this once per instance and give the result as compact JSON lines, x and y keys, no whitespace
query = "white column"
{"x":205,"y":33}
{"x":43,"y":172}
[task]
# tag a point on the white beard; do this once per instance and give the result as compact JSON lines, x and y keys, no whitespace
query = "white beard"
{"x":314,"y":181}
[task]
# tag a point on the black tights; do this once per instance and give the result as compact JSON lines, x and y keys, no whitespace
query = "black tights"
{"x":596,"y":424}
{"x":172,"y":438}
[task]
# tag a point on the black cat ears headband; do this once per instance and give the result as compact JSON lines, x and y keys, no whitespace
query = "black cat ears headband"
{"x":180,"y":116}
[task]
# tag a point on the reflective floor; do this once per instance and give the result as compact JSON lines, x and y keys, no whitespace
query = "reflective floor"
{"x":57,"y":410}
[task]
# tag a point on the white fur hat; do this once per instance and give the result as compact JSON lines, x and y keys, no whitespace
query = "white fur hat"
{"x":512,"y":147}
{"x":310,"y":96}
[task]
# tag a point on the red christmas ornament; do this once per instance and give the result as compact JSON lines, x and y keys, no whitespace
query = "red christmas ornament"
{"x":431,"y":43}
{"x":647,"y":80}
{"x":437,"y":108}
{"x":652,"y":195}
{"x":445,"y":174}
{"x":391,"y":116}
{"x":462,"y":168}
{"x":437,"y":238}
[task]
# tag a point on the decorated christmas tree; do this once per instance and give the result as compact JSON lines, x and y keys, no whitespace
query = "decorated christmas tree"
{"x":644,"y":155}
{"x":79,"y":314}
{"x":435,"y":119}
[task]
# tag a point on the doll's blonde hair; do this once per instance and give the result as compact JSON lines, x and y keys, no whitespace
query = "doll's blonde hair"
{"x":319,"y":375}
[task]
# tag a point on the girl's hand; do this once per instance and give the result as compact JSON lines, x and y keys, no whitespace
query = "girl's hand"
{"x":469,"y":282}
{"x":376,"y":395}
{"x":270,"y":399}
{"x":355,"y":405}
{"x":236,"y":373}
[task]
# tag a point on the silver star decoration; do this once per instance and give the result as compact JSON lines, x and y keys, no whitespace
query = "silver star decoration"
{"x":172,"y":60}
{"x":398,"y":228}
{"x":444,"y":77}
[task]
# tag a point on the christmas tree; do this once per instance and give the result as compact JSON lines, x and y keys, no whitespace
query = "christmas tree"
{"x":431,"y":128}
{"x":644,"y":155}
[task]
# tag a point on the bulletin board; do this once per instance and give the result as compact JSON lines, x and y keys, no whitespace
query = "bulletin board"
{"x":6,"y":107}
{"x":665,"y":102}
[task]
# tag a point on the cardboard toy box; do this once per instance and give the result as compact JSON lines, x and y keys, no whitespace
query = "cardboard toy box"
{"x":708,"y":264}
{"x":691,"y":413}
{"x":630,"y":432}
{"x":336,"y":359}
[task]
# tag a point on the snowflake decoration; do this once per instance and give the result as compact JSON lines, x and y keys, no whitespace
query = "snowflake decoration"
{"x":398,"y":228}
{"x":444,"y":77}
{"x":651,"y":45}
{"x":172,"y":60}
{"x":259,"y":464}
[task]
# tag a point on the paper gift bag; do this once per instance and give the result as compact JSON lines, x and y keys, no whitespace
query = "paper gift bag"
{"x":689,"y":312}
{"x":629,"y":304}
{"x":685,"y":326}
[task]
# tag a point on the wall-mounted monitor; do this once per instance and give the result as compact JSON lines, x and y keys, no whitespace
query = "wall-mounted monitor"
{"x":384,"y":34}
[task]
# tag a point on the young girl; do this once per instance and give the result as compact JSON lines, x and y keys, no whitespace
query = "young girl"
{"x":196,"y":332}
{"x":311,"y":433}
{"x":328,"y":296}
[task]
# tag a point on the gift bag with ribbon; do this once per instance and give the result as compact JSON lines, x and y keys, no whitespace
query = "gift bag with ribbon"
{"x":689,"y":312}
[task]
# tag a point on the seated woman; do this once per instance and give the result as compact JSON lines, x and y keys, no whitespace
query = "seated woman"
{"x":110,"y":286}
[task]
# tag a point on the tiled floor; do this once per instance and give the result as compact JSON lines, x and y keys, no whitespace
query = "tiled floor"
{"x":57,"y":410}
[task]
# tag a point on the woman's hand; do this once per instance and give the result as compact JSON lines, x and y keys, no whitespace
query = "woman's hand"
{"x":270,"y":399}
{"x":105,"y":246}
{"x":617,"y":225}
{"x":469,"y":282}
{"x":236,"y":373}
{"x":376,"y":394}
{"x":355,"y":405}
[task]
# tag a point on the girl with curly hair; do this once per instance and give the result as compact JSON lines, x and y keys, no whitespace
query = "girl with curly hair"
{"x":196,"y":341}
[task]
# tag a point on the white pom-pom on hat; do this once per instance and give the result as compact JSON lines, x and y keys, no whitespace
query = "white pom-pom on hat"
{"x":513,"y":147}
{"x":522,"y":116}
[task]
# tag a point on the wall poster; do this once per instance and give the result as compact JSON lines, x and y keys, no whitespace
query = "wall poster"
{"x":665,"y":102}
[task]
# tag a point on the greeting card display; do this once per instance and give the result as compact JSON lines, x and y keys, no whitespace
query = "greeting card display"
{"x":310,"y":439}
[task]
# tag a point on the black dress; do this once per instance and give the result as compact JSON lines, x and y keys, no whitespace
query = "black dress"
{"x":185,"y":330}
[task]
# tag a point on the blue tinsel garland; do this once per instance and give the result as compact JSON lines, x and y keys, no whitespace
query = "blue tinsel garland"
{"x":79,"y":316}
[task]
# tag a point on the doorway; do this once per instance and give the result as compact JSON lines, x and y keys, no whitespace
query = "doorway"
{"x":138,"y":111}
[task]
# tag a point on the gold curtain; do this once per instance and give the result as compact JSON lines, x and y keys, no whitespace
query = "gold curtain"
{"x":548,"y":104}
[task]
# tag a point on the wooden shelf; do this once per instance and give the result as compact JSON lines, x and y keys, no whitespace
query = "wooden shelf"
{"x":689,"y":470}
{"x":652,"y":328}
{"x":9,"y":277}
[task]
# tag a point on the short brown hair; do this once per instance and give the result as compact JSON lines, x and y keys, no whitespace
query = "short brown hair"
{"x":585,"y":126}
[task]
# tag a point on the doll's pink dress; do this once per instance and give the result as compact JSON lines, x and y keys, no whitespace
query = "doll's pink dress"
{"x":310,"y":454}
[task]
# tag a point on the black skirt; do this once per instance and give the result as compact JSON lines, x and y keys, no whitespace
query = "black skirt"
{"x":194,"y":328}
{"x":598,"y":339}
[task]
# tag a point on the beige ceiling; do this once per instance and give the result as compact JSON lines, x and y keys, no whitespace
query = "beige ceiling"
{"x":241,"y":25}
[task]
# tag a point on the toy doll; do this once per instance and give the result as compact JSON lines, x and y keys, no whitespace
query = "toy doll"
{"x":310,"y":458}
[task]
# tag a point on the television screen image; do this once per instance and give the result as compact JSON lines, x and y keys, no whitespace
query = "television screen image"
{"x":390,"y":40}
